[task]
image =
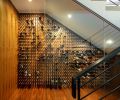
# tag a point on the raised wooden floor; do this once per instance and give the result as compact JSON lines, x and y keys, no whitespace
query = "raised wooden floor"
{"x":54,"y":94}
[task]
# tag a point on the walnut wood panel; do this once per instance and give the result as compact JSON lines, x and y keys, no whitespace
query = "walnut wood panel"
{"x":8,"y":49}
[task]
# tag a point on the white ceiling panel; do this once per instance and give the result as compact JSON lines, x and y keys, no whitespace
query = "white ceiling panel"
{"x":23,"y":6}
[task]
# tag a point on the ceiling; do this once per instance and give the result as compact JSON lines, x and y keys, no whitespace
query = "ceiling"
{"x":82,"y":22}
{"x":23,"y":6}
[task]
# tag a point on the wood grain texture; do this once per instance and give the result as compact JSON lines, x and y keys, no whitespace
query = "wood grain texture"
{"x":55,"y":94}
{"x":8,"y":49}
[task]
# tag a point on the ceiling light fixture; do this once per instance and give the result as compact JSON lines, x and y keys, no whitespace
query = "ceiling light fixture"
{"x":69,"y":16}
{"x":109,"y":42}
{"x":30,"y":0}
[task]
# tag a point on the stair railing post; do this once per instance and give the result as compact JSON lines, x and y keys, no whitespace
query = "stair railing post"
{"x":79,"y":84}
{"x":74,"y":88}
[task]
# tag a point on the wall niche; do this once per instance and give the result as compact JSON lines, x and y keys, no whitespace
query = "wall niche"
{"x":50,"y":53}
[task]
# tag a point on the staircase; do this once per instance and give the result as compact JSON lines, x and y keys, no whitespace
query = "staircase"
{"x":90,"y":75}
{"x":109,"y":12}
{"x":112,"y":5}
{"x":110,"y":29}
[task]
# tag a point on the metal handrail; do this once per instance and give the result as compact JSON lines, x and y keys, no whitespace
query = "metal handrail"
{"x":115,"y":89}
{"x":89,"y":69}
{"x":101,"y":60}
{"x":113,"y":3}
{"x":101,"y":86}
{"x":116,"y":63}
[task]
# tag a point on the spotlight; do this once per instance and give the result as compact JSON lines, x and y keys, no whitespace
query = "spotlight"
{"x":69,"y":16}
{"x":109,"y":42}
{"x":30,"y":0}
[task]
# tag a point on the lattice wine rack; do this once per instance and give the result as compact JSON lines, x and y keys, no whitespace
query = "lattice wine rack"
{"x":50,"y":54}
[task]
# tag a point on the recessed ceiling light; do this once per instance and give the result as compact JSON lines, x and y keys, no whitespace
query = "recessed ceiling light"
{"x":109,"y":42}
{"x":30,"y":0}
{"x":69,"y":16}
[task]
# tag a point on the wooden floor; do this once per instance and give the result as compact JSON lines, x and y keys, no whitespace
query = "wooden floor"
{"x":55,"y":94}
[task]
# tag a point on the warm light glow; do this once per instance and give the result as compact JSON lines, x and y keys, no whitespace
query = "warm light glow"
{"x":109,"y":42}
{"x":30,"y":0}
{"x":69,"y":16}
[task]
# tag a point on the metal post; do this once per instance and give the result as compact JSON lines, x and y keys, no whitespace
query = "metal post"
{"x":79,"y":89}
{"x":73,"y":88}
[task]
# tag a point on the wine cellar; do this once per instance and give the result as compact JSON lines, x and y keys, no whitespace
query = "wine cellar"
{"x":50,"y":53}
{"x":58,"y":50}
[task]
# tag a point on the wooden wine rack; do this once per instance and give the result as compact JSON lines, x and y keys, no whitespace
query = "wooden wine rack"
{"x":50,"y":53}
